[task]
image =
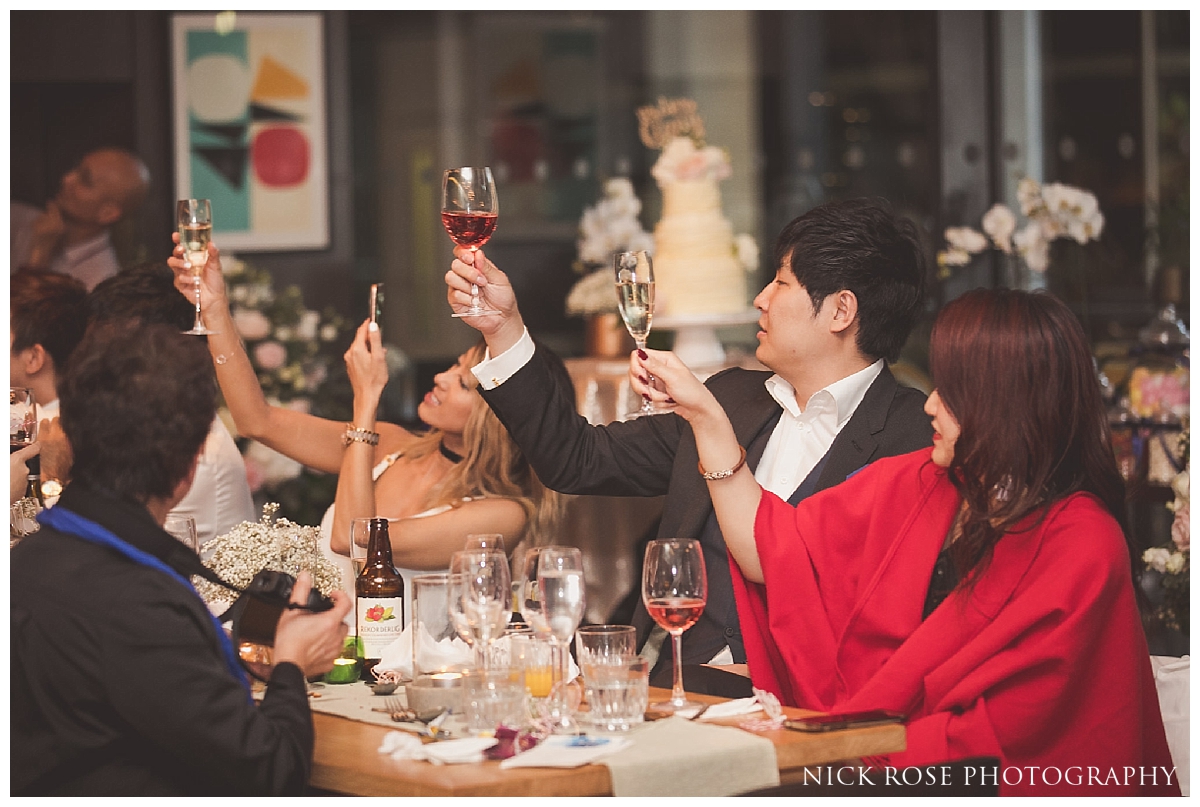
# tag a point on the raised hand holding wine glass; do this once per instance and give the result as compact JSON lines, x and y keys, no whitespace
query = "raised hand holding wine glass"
{"x":194,"y":217}
{"x":634,"y":275}
{"x":674,"y":590}
{"x":470,"y":206}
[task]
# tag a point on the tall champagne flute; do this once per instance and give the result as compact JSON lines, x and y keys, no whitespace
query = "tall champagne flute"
{"x":561,"y":589}
{"x":480,"y":599}
{"x":675,"y":589}
{"x":470,"y":206}
{"x":635,"y":298}
{"x":195,"y":232}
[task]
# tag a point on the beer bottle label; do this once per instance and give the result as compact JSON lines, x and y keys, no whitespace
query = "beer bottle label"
{"x":380,"y":621}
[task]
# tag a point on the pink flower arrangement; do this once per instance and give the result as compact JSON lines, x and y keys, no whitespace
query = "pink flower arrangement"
{"x":270,"y":355}
{"x":251,"y":324}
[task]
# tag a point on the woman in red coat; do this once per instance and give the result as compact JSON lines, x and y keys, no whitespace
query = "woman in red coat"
{"x":983,"y":587}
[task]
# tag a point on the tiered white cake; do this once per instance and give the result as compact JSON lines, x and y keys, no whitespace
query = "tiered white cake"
{"x":696,"y":266}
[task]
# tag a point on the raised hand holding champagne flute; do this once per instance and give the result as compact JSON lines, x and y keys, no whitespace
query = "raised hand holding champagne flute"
{"x":634,"y":275}
{"x":194,"y":217}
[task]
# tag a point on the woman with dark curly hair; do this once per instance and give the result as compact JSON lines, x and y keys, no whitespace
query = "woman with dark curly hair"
{"x":984,"y":587}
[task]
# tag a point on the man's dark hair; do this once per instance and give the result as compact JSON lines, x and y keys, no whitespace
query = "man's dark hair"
{"x":49,"y":309}
{"x":136,"y":405}
{"x":862,"y":246}
{"x":145,"y":293}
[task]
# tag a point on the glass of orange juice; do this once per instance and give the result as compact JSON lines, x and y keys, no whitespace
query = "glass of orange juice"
{"x":535,"y":656}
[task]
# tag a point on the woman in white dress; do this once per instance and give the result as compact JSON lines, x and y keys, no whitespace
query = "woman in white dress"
{"x":463,"y":476}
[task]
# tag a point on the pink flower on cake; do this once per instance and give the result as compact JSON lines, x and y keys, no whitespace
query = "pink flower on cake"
{"x":681,"y":161}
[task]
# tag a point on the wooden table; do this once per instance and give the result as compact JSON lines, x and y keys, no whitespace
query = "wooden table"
{"x":347,"y":761}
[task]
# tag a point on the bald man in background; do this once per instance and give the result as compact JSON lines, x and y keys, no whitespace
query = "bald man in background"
{"x":72,"y":234}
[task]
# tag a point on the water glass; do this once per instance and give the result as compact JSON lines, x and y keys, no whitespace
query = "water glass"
{"x":617,"y":690}
{"x":434,"y":637}
{"x":495,"y":697}
{"x":601,"y":642}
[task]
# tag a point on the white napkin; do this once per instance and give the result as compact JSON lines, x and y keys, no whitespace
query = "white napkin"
{"x":399,"y":745}
{"x":741,"y":706}
{"x":566,"y":752}
{"x":446,"y":654}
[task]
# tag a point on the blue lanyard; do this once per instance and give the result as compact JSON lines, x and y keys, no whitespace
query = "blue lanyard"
{"x":67,"y":521}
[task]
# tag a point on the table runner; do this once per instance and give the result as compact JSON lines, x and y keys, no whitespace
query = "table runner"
{"x":678,"y":757}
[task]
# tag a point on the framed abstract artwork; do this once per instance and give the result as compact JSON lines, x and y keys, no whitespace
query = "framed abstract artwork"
{"x":250,"y":130}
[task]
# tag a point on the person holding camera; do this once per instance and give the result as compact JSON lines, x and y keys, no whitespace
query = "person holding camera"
{"x":122,"y":681}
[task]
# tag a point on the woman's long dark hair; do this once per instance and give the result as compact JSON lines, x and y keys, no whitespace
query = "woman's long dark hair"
{"x":1016,"y":371}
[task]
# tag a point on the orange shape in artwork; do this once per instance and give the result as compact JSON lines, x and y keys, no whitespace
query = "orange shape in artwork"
{"x":276,"y":81}
{"x":280,"y":156}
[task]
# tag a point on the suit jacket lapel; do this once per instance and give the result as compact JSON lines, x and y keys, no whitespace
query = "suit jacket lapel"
{"x":856,"y":443}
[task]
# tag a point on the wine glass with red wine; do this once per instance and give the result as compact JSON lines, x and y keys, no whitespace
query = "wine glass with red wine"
{"x":470,"y":206}
{"x":675,"y":589}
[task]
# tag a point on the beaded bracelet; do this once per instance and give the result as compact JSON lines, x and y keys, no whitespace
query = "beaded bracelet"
{"x":714,"y":475}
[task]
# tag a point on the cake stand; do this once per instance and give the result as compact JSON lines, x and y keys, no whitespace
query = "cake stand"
{"x":696,"y":342}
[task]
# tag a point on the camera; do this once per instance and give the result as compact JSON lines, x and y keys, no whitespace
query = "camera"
{"x":255,"y":614}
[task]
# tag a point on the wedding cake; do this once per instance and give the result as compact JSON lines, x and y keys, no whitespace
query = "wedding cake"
{"x":697,"y":270}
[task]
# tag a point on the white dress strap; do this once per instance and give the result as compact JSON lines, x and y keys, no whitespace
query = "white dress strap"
{"x":384,"y":464}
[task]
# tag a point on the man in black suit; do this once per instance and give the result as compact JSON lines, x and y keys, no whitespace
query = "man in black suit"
{"x":846,"y":293}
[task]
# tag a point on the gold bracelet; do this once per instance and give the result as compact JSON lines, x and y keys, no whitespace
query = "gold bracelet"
{"x":354,"y":434}
{"x":714,"y":475}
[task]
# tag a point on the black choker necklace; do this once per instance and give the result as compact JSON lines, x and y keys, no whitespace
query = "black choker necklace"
{"x":448,"y":454}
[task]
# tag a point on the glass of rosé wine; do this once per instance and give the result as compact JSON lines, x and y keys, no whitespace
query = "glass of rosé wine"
{"x":674,"y":590}
{"x":470,"y":206}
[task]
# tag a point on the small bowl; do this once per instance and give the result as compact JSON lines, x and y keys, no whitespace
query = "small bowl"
{"x":385,"y":688}
{"x":429,"y":696}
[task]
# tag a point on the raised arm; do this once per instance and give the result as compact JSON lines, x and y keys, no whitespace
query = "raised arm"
{"x":428,"y":542}
{"x":366,"y":364}
{"x":735,"y":496}
{"x":501,"y":331}
{"x":309,"y":440}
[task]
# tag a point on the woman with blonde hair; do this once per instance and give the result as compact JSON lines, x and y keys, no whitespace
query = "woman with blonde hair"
{"x":463,"y":476}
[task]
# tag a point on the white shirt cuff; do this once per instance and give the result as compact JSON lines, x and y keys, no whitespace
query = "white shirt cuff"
{"x":492,"y":372}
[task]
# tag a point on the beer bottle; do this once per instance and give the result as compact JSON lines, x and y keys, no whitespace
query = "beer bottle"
{"x":379,"y":593}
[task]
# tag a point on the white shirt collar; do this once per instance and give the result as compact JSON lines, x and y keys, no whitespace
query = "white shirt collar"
{"x":845,"y":393}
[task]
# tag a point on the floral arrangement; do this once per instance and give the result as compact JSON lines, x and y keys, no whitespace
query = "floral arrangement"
{"x":291,"y":349}
{"x":250,"y":547}
{"x":611,"y":225}
{"x":1053,"y":211}
{"x":1173,"y":560}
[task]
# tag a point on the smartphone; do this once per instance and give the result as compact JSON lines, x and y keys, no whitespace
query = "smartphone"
{"x":376,"y":306}
{"x":846,"y":720}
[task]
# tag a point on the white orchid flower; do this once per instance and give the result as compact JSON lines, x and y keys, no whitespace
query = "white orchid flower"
{"x":1000,"y":223}
{"x":966,"y":239}
{"x":1033,"y":247}
{"x":954,"y":257}
{"x":1029,"y":194}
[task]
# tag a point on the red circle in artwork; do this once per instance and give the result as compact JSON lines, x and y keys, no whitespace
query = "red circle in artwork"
{"x":280,"y":156}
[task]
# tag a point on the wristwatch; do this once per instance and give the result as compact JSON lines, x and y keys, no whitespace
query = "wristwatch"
{"x":51,"y":490}
{"x":355,"y":434}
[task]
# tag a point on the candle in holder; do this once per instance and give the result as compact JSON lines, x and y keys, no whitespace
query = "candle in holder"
{"x":348,"y":666}
{"x":430,"y":695}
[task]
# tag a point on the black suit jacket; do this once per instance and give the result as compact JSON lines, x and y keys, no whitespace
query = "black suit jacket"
{"x":656,"y":456}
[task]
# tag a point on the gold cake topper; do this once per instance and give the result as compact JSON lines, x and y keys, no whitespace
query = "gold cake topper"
{"x":671,"y":118}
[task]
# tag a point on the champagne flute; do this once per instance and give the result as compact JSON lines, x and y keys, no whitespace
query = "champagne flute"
{"x":635,"y":299}
{"x":22,"y":431}
{"x":195,"y":231}
{"x":529,"y":600}
{"x":675,"y":589}
{"x":480,"y":599}
{"x":478,"y":542}
{"x":561,"y":590}
{"x":183,"y":529}
{"x":470,"y":206}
